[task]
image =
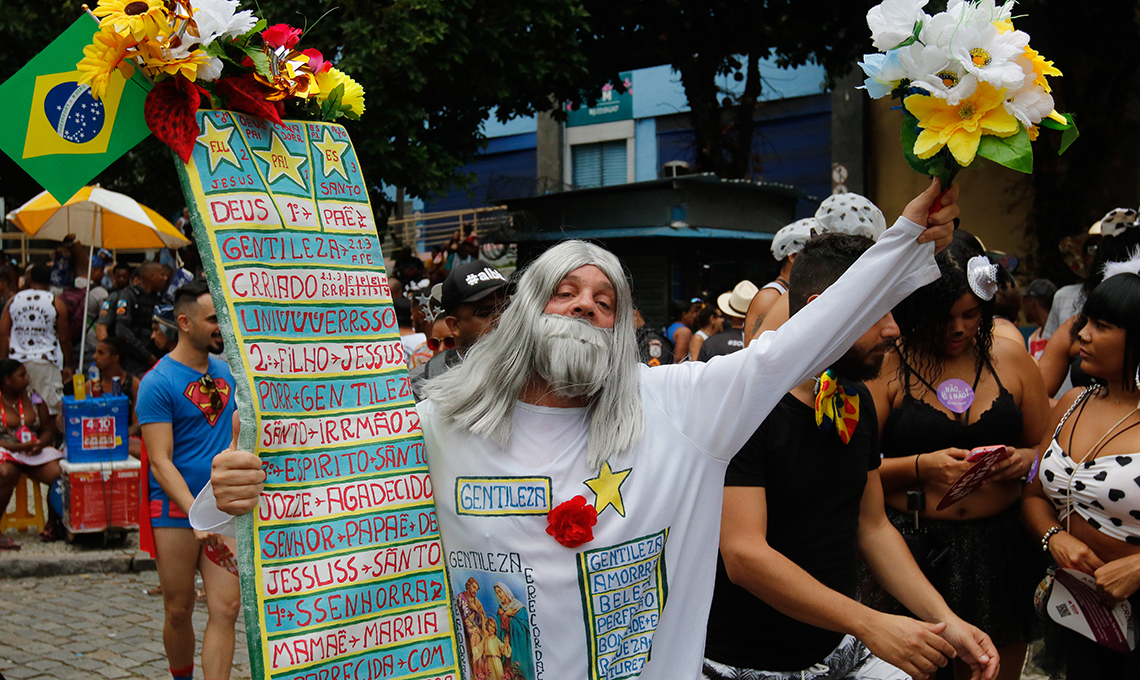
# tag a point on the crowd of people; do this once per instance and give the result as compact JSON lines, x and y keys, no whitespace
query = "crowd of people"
{"x":818,"y":458}
{"x":148,"y":332}
{"x":50,"y":318}
{"x":796,"y":448}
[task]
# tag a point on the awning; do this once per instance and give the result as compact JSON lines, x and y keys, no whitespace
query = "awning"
{"x":637,"y":232}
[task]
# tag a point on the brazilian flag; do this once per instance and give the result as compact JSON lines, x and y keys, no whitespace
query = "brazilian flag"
{"x":52,"y":126}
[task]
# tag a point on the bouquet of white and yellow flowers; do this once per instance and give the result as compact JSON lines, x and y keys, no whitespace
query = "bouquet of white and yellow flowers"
{"x":969,"y":81}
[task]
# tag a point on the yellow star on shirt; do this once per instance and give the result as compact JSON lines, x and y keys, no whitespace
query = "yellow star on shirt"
{"x":607,"y":487}
{"x":332,"y":155}
{"x":281,"y":162}
{"x":217,"y":143}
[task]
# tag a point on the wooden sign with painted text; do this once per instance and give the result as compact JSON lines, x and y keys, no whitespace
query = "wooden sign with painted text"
{"x":341,"y":566}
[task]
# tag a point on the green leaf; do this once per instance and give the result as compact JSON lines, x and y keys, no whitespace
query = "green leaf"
{"x":941,"y":165}
{"x":1014,"y":152}
{"x":259,"y":58}
{"x":1054,"y":125}
{"x":330,"y":108}
{"x":1069,"y":136}
{"x":215,"y":49}
{"x":913,"y":36}
{"x":258,"y":28}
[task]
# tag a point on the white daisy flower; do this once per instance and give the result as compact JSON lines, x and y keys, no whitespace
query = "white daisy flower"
{"x":892,"y":21}
{"x":990,"y":54}
{"x":935,"y":70}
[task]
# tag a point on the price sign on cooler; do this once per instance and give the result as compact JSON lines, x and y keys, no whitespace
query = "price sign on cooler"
{"x":99,"y":433}
{"x":341,"y":565}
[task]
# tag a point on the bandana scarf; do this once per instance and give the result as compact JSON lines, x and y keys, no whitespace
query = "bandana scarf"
{"x":836,"y":407}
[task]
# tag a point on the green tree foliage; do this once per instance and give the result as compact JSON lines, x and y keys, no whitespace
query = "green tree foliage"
{"x":706,"y":40}
{"x":433,"y":70}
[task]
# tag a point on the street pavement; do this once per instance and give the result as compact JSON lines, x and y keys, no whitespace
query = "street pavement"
{"x":71,"y":611}
{"x":91,"y":626}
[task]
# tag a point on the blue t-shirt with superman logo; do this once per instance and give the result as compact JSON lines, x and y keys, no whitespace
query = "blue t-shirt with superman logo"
{"x":174,"y":393}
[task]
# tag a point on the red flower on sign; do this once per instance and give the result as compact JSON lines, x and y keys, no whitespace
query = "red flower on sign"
{"x":281,"y":35}
{"x":572,"y":523}
{"x":317,"y":63}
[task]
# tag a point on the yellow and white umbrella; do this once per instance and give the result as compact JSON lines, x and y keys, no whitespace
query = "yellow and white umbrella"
{"x":98,"y":218}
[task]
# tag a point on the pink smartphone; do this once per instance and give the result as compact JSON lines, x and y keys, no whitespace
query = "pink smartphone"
{"x":978,"y":453}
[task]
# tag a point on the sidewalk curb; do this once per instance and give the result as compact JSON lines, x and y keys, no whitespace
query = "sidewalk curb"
{"x":67,"y":565}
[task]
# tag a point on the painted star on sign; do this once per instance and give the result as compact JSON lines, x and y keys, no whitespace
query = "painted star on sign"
{"x":281,"y":162}
{"x":217,"y":143}
{"x":607,"y":487}
{"x":332,"y":155}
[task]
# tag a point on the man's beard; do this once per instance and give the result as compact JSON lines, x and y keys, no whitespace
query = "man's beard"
{"x":572,"y":355}
{"x":859,"y":366}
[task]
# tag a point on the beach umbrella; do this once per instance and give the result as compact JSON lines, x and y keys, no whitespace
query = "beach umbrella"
{"x":100,"y":219}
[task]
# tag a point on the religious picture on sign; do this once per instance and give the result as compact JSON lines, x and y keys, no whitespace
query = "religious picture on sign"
{"x":341,"y":565}
{"x":498,"y":640}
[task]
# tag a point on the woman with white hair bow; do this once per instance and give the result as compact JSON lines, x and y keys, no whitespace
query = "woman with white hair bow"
{"x":952,"y":387}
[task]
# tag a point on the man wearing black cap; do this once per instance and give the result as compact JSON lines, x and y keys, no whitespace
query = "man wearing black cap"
{"x":472,"y":296}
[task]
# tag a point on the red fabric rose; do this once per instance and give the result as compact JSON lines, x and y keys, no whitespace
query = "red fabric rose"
{"x":279,"y":35}
{"x":572,"y":522}
{"x":317,"y":63}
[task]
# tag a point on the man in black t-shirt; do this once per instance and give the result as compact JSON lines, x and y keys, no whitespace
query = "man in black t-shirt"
{"x":801,"y":504}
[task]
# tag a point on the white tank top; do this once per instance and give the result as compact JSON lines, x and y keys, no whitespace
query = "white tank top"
{"x":33,"y":327}
{"x":776,"y":286}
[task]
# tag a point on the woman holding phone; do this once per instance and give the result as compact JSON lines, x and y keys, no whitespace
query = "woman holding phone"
{"x":950,"y":388}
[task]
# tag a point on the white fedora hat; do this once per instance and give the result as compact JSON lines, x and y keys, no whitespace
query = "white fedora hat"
{"x":736,"y":303}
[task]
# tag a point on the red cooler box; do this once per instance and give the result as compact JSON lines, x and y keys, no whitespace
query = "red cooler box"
{"x":100,"y":496}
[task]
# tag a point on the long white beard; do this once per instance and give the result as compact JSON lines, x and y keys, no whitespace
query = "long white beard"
{"x":572,"y":355}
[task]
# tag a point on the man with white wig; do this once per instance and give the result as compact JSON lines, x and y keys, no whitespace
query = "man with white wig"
{"x":559,"y":459}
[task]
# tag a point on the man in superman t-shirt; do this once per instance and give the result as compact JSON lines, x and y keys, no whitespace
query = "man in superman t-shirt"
{"x":185,"y":407}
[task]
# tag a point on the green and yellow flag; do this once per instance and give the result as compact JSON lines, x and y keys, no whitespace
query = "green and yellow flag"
{"x":52,"y":126}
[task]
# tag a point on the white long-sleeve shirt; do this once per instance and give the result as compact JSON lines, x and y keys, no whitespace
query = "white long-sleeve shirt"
{"x":633,"y":601}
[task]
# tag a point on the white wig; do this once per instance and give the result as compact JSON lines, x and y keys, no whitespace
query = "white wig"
{"x":480,"y":393}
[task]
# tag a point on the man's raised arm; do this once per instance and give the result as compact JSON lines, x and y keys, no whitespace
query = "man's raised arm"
{"x":718,"y":404}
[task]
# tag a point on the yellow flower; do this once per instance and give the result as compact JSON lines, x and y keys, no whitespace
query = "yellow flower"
{"x":1004,"y":25}
{"x":1041,"y":68}
{"x":1033,"y":131}
{"x":156,"y":61}
{"x":139,"y":19}
{"x":100,"y":59}
{"x":353,"y":93}
{"x":960,"y":127}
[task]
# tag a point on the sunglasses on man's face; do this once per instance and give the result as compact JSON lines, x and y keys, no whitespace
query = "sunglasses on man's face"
{"x":434,"y":344}
{"x":210,"y":389}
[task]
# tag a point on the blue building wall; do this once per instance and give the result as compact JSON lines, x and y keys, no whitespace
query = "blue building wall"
{"x":793,"y":146}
